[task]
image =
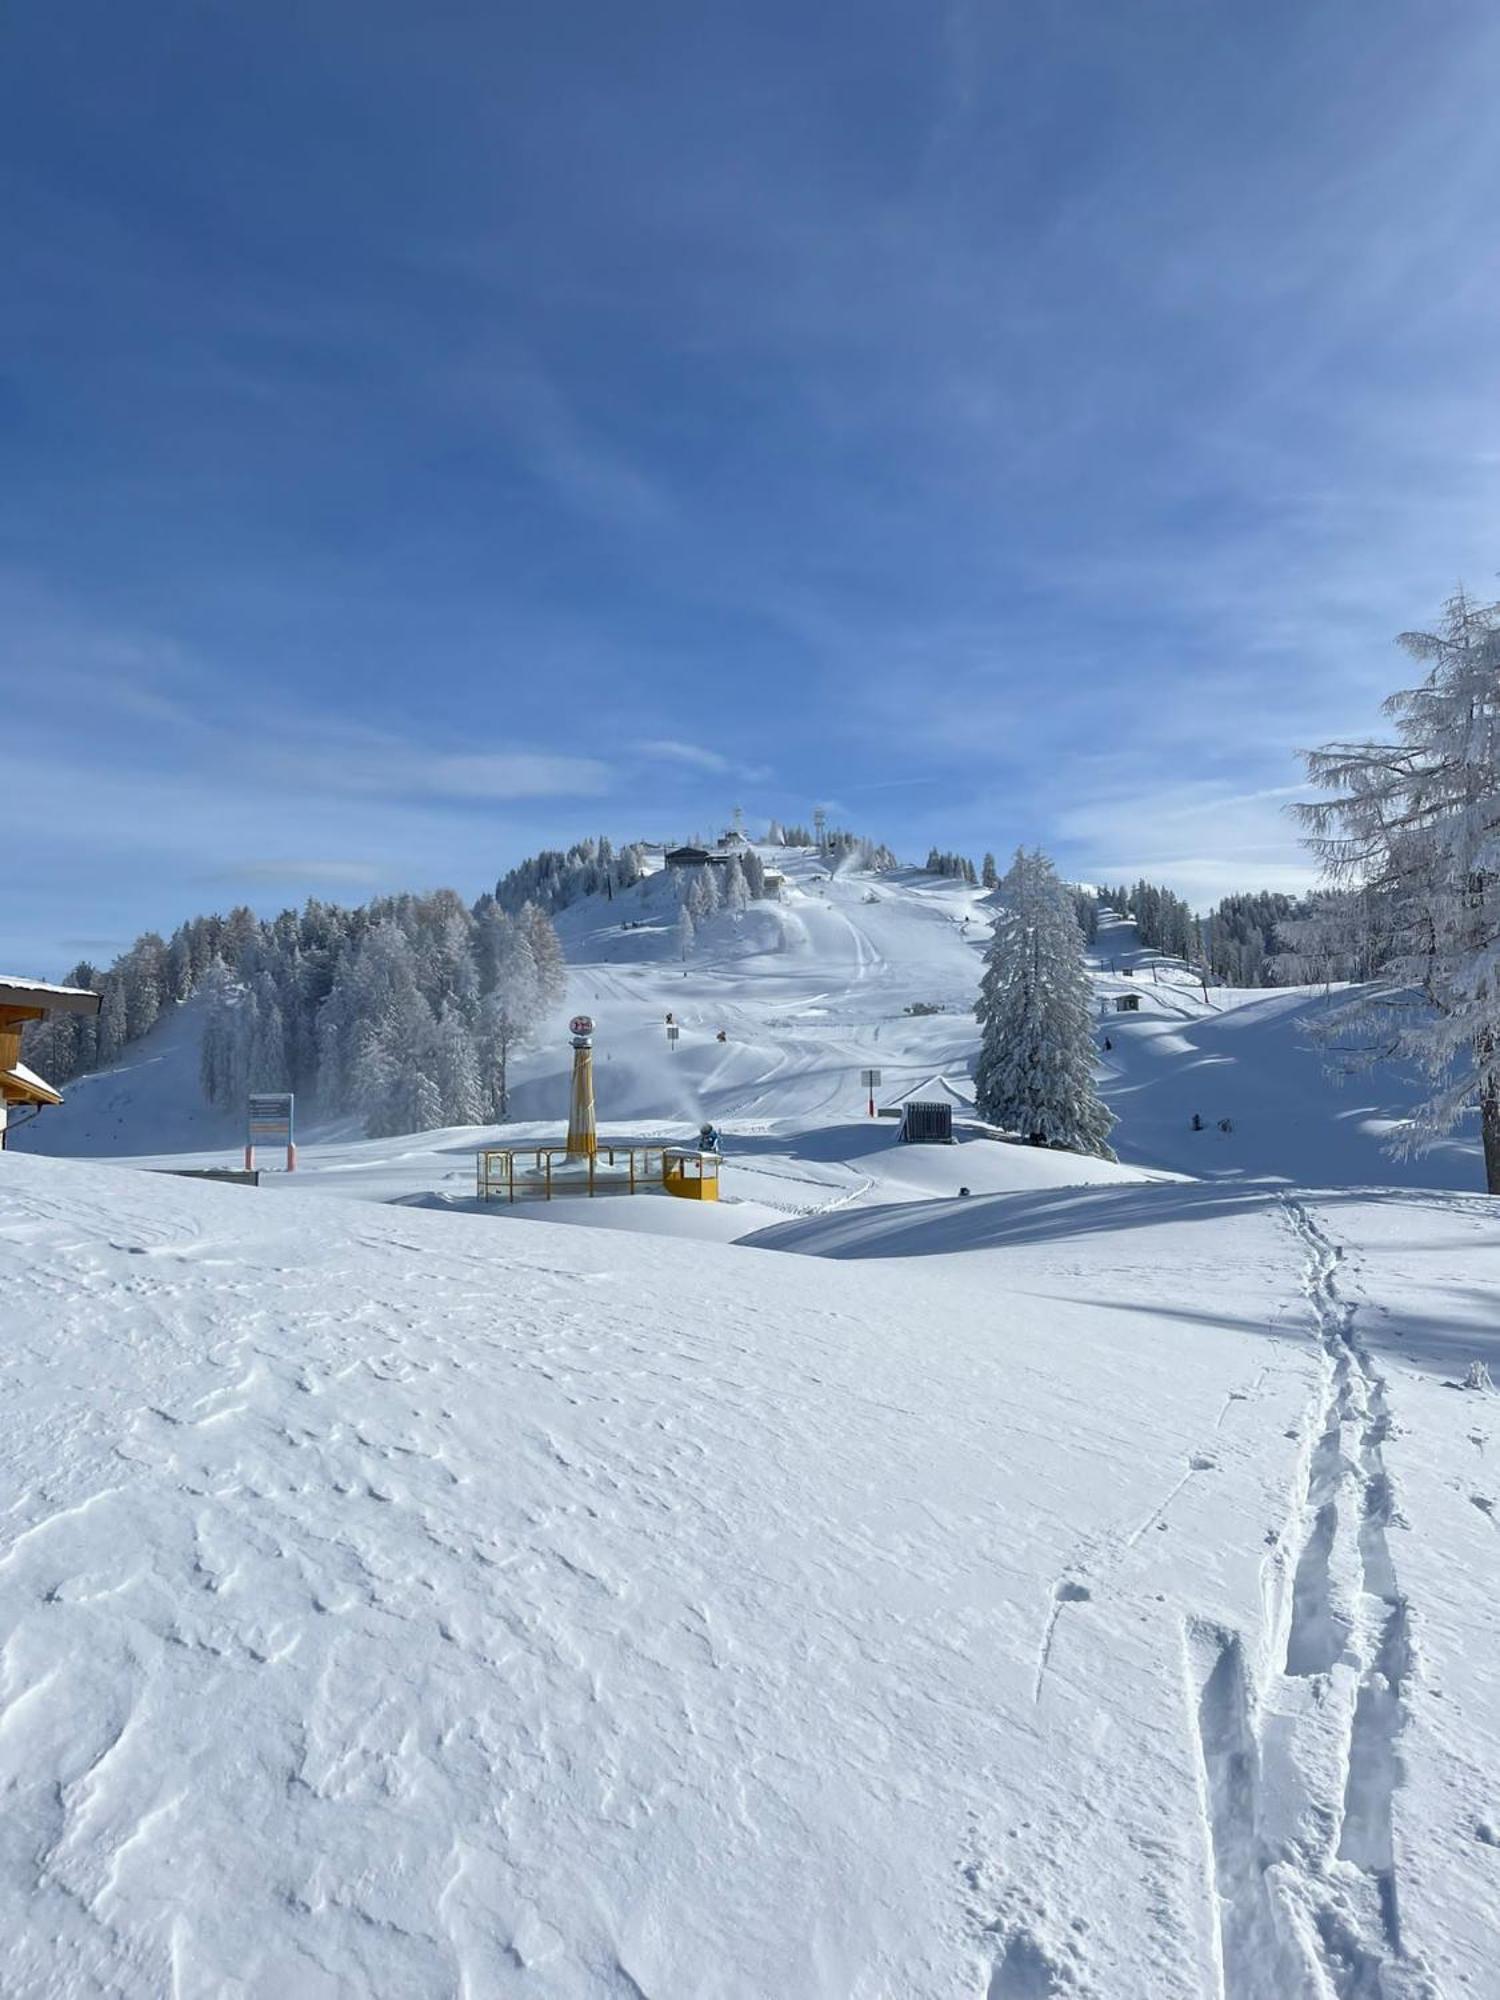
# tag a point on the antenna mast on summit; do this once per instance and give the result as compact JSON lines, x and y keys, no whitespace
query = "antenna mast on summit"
{"x":820,"y":827}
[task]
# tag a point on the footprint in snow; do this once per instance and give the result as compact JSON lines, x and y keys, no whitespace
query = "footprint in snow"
{"x":1024,"y":1971}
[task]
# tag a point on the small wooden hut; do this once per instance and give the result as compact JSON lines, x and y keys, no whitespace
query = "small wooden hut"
{"x":926,"y":1123}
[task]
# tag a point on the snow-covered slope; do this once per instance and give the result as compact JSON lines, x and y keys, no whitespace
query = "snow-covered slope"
{"x":808,"y":993}
{"x":400,"y":1603}
{"x":1082,"y":1584}
{"x":1247,"y":1056}
{"x":150,"y":1101}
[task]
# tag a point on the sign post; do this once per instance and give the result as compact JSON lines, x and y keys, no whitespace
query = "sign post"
{"x":672,"y":1038}
{"x":270,"y":1123}
{"x":870,"y":1078}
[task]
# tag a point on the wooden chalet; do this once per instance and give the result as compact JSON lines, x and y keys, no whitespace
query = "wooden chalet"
{"x":23,"y":1000}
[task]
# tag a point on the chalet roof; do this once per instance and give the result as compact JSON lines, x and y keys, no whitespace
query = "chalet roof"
{"x":18,"y":1084}
{"x":936,"y":1089}
{"x":51,"y":999}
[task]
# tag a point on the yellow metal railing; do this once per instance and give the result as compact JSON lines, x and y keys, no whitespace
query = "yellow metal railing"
{"x":537,"y":1173}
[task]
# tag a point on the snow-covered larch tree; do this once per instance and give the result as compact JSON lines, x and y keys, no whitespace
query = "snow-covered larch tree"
{"x":1413,"y":826}
{"x":547,"y":952}
{"x":219,"y":1067}
{"x":511,"y":1005}
{"x":1035,"y":1073}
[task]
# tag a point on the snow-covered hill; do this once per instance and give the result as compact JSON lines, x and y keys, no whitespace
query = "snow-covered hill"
{"x":149,"y":1101}
{"x":1246,"y":1055}
{"x":397,"y":1603}
{"x":809,"y":992}
{"x":997,"y":1573}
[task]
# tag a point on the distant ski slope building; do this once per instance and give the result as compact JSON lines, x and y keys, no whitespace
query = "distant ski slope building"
{"x":23,"y":1000}
{"x":706,"y":857}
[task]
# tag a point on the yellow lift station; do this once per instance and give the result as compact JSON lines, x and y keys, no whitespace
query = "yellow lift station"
{"x":691,"y":1174}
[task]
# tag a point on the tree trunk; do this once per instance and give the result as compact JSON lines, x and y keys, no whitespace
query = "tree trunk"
{"x":1489,"y":1121}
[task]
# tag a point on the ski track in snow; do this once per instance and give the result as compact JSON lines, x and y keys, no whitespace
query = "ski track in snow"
{"x":1298,"y":1785}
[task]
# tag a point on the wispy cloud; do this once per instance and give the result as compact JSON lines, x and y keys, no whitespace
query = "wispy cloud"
{"x":668,"y":751}
{"x":344,"y":757}
{"x":1204,"y":840}
{"x":1050,"y":408}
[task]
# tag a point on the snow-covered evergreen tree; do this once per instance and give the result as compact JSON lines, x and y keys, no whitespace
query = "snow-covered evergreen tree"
{"x":554,"y":879}
{"x":958,"y":866}
{"x":416,"y":1104}
{"x":264,"y":1038}
{"x":455,"y":1070}
{"x":1086,"y":909}
{"x":1035,"y":1073}
{"x":736,"y":890}
{"x":411,"y":1002}
{"x":112,"y":1020}
{"x":1413,"y":824}
{"x":700,"y":893}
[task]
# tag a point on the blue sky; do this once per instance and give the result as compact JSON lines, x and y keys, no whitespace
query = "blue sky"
{"x":433,"y":433}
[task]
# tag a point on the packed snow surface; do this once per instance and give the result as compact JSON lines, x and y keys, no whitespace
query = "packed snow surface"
{"x":396,"y":1602}
{"x":1082,"y":1585}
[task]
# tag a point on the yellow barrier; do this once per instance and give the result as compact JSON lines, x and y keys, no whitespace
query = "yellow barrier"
{"x":537,"y":1173}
